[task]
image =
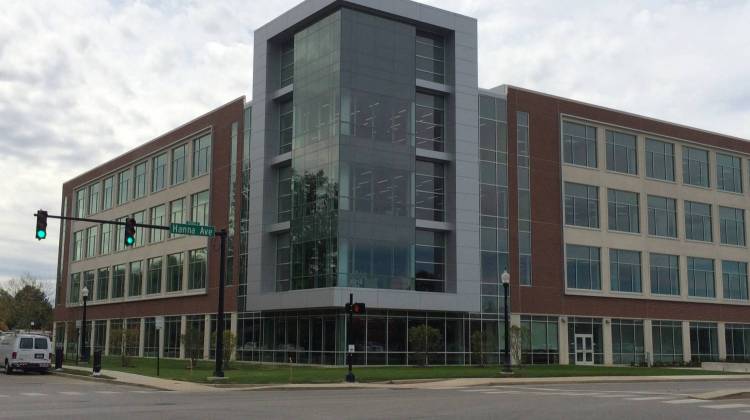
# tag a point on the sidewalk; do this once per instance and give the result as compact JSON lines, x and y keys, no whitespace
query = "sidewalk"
{"x":146,"y":381}
{"x":172,"y":385}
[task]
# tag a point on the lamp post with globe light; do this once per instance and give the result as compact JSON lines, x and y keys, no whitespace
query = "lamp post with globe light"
{"x":84,"y":353}
{"x":505,"y":278}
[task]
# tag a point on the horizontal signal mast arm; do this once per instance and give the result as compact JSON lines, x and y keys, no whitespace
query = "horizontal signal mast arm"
{"x":111,"y":222}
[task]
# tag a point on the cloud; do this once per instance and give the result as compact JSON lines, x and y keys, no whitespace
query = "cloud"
{"x":81,"y":82}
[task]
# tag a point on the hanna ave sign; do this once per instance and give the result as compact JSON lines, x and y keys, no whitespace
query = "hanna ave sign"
{"x":191,"y":229}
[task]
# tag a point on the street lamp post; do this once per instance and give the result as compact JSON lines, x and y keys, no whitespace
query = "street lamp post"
{"x":505,"y":277}
{"x":84,"y":353}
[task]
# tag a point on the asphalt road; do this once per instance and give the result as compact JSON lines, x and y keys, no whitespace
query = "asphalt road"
{"x":53,"y":397}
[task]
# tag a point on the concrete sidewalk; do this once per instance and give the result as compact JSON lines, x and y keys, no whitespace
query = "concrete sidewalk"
{"x":146,"y":381}
{"x":172,"y":385}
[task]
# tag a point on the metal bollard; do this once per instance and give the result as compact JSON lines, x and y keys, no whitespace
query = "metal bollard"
{"x":97,"y":363}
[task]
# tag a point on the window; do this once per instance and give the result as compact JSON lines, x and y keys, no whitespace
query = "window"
{"x":75,"y":288}
{"x":737,"y":338}
{"x":732,"y":225}
{"x":627,"y":342}
{"x":622,"y":155}
{"x":136,"y":278}
{"x":625,"y":270}
{"x":430,"y":120}
{"x":430,"y":50}
{"x":701,"y":277}
{"x":174,"y":272}
{"x":659,"y":160}
{"x":286,"y":66}
{"x":734,"y":276}
{"x":667,"y":341}
{"x":199,"y":213}
{"x":541,"y":343}
{"x":123,"y":187}
{"x":622,"y":211}
{"x":140,"y":231}
{"x":118,"y":281}
{"x":77,"y":245}
{"x":139,"y":181}
{"x":283,"y":268}
{"x":695,"y":167}
{"x":159,"y":173}
{"x":662,"y":216}
{"x":94,"y":198}
{"x":109,"y":191}
{"x":157,"y":218}
{"x":284,"y":192}
{"x":429,"y":256}
{"x":581,"y":205}
{"x":286,"y":126}
{"x":91,"y":242}
{"x":178,"y":164}
{"x":172,"y":327}
{"x":81,"y":203}
{"x":153,"y":282}
{"x":665,"y":274}
{"x":106,"y":244}
{"x":524,"y":198}
{"x":728,"y":173}
{"x":704,"y":344}
{"x":197,"y":272}
{"x":430,"y":191}
{"x":579,"y":144}
{"x":176,"y":212}
{"x":583,"y":267}
{"x":698,"y":225}
{"x":102,"y":284}
{"x":89,"y":281}
{"x":201,"y":155}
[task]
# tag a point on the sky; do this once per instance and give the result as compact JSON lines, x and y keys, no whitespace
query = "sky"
{"x":84,"y":81}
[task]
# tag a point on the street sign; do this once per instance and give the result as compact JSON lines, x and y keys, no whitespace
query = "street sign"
{"x":159,"y":322}
{"x":351,"y":348}
{"x":191,"y":229}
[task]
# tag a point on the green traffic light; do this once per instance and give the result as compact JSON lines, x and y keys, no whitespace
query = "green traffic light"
{"x":41,"y":234}
{"x":130,"y":240}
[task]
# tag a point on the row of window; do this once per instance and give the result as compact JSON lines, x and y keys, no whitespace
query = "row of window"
{"x":98,"y":239}
{"x":580,"y":148}
{"x":131,"y":183}
{"x":623,"y":215}
{"x":583,"y":271}
{"x":127,"y":280}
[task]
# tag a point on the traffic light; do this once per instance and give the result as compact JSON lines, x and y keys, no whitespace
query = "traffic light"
{"x":355,"y":308}
{"x":129,"y":231}
{"x":41,"y":224}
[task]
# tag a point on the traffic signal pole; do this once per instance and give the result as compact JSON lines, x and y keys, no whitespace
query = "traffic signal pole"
{"x":219,"y":370}
{"x":349,"y":355}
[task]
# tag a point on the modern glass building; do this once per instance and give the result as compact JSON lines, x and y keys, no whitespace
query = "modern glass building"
{"x":369,"y":162}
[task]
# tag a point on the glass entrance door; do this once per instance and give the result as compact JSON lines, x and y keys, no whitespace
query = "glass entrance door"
{"x":584,"y":349}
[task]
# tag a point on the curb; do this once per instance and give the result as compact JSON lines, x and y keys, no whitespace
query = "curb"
{"x":106,"y":380}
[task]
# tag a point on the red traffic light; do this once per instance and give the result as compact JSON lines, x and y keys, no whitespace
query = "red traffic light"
{"x":358,"y":308}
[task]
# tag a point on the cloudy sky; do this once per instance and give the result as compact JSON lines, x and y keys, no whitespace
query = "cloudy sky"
{"x":83,"y":81}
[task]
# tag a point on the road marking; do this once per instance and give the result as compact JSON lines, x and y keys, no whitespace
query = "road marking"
{"x":612,"y":396}
{"x":142,"y":392}
{"x":107,"y":392}
{"x":71,"y":393}
{"x":4,"y":396}
{"x":477,"y":390}
{"x":688,"y":401}
{"x":725,"y":406}
{"x":33,"y":394}
{"x":648,"y":398}
{"x":502,"y":392}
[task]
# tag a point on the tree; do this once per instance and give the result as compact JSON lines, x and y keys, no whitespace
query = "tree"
{"x":424,"y":340}
{"x":6,"y":304}
{"x":478,"y":346}
{"x":230,"y":342}
{"x":28,"y":304}
{"x":120,"y":339}
{"x":193,"y":342}
{"x":518,"y":336}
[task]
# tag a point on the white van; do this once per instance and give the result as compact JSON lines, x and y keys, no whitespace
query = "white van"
{"x":25,"y":351}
